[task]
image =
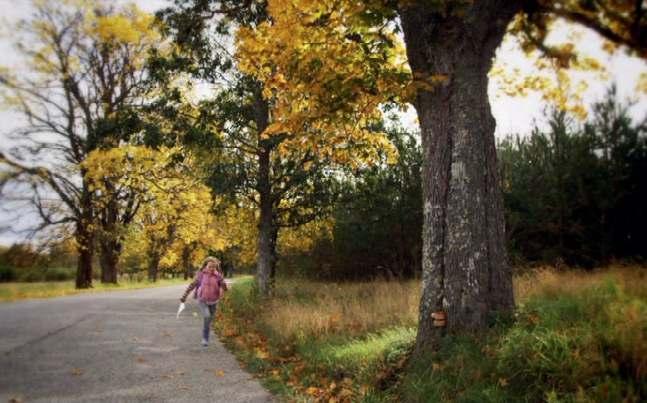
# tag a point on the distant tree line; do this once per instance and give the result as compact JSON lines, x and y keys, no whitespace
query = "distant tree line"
{"x":577,"y":193}
{"x":574,"y":194}
{"x":24,"y":262}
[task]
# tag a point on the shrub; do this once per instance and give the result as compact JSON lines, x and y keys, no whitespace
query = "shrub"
{"x":59,"y":274}
{"x":7,"y":274}
{"x":31,"y":275}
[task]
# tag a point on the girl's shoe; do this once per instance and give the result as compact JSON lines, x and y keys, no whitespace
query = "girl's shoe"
{"x":205,"y":343}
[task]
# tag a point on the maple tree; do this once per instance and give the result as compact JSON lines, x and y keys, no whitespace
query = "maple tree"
{"x":173,"y":207}
{"x":85,"y":77}
{"x":286,"y":182}
{"x":301,"y":54}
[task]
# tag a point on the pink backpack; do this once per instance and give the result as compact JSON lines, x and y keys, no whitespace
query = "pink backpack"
{"x":209,"y":287}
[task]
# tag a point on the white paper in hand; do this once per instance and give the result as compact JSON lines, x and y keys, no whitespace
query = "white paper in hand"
{"x":180,"y":309}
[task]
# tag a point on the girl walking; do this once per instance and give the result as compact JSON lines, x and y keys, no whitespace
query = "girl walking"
{"x":210,"y":287}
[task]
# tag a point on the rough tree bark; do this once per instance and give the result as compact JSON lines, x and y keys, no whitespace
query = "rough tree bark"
{"x":465,"y":268}
{"x":108,"y":259}
{"x":267,"y":226}
{"x":186,"y":261}
{"x":85,"y":241}
{"x":109,"y":244}
{"x":154,"y":258}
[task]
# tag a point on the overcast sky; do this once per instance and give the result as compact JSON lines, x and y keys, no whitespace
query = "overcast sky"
{"x":513,"y":114}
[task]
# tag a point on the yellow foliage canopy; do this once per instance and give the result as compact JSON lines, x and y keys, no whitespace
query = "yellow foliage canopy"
{"x":131,"y":26}
{"x":326,"y":75}
{"x":175,"y":207}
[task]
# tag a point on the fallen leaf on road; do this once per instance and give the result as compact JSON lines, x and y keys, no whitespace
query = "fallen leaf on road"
{"x":140,"y":360}
{"x":76,"y":371}
{"x":220,"y":373}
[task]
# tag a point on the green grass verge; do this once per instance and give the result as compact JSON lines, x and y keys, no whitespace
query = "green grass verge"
{"x":585,"y":344}
{"x":588,"y":346}
{"x":311,"y":369}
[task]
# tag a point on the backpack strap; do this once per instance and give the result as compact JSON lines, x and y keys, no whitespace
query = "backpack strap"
{"x":198,"y":282}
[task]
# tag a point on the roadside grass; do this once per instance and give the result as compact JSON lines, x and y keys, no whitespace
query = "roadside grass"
{"x":321,"y":341}
{"x":18,"y":291}
{"x":576,"y":337}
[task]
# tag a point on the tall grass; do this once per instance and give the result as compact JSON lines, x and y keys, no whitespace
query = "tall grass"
{"x":548,"y":282}
{"x":305,"y":310}
{"x":316,"y":340}
{"x":577,"y":336}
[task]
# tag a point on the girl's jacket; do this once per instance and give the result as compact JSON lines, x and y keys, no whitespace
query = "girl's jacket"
{"x":209,"y":287}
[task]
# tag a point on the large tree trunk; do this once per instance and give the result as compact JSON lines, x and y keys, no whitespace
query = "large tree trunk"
{"x":109,"y":251}
{"x":154,"y":258}
{"x":274,"y":236}
{"x":85,"y":243}
{"x":266,"y":245}
{"x":109,"y":244}
{"x":465,"y":268}
{"x":115,"y":217}
{"x":186,"y":261}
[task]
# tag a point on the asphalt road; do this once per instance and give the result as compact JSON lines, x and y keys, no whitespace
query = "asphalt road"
{"x":121,"y":346}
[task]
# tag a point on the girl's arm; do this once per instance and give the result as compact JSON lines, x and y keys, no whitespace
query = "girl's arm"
{"x":191,"y":286}
{"x":223,"y":283}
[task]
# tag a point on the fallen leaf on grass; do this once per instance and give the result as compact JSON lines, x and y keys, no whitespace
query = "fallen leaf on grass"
{"x":229,"y":332}
{"x":262,"y":354}
{"x":312,"y":391}
{"x":344,"y":393}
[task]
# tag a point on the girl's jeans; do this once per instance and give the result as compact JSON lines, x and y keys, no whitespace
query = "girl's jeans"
{"x":208,"y":313}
